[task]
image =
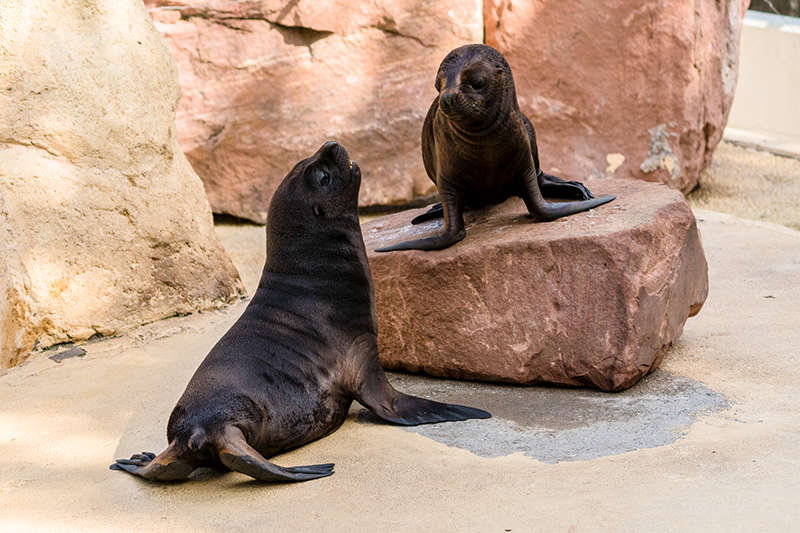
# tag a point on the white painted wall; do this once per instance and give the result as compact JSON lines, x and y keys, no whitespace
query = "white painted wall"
{"x":767,"y":100}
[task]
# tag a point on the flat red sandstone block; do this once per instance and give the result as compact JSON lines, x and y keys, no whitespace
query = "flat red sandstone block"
{"x":593,"y":299}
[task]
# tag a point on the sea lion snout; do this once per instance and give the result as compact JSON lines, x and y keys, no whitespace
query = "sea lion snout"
{"x":447,"y":100}
{"x":335,"y":152}
{"x":331,"y":148}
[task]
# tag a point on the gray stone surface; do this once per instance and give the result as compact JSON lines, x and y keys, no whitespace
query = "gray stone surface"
{"x":559,"y":424}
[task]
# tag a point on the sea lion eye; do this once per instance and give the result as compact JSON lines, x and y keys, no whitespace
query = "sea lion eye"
{"x":324,"y":178}
{"x":478,"y":84}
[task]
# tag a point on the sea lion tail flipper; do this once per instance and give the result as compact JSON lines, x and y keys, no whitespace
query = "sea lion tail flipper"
{"x":391,"y":405}
{"x":236,"y":454}
{"x":166,"y":466}
{"x":554,"y":187}
{"x":541,"y":209}
{"x":436,"y":211}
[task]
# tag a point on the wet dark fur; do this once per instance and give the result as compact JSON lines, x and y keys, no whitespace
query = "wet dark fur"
{"x":479,"y":149}
{"x":287,"y":371}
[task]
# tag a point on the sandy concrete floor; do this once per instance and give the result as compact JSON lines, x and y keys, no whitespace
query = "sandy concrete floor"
{"x":751,"y":184}
{"x":708,"y":443}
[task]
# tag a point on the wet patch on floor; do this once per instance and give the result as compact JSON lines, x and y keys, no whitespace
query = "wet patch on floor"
{"x":562,"y":424}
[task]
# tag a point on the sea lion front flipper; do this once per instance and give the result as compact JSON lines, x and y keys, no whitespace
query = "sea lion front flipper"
{"x":437,"y":242}
{"x":376,"y":393}
{"x":554,"y":187}
{"x":453,"y":212}
{"x":236,"y":454}
{"x":541,"y":209}
{"x":407,"y":410}
{"x":166,"y":466}
{"x":436,"y":211}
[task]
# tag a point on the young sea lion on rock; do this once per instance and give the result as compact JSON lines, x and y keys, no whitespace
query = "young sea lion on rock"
{"x":479,"y":149}
{"x":306,"y":346}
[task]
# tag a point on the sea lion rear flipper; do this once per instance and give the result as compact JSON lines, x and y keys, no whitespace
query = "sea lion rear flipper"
{"x":391,"y":405}
{"x":541,"y":209}
{"x":436,"y":211}
{"x":236,"y":454}
{"x":167,"y":466}
{"x":553,"y":187}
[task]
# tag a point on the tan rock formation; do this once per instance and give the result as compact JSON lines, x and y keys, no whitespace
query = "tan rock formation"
{"x":104,"y":224}
{"x":592,"y":299}
{"x":266,"y":82}
{"x":625,"y":88}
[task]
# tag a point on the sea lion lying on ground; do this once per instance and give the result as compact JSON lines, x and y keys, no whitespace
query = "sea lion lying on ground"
{"x":306,"y":346}
{"x":479,"y":149}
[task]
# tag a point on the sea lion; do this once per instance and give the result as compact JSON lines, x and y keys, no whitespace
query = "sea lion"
{"x":306,"y":346}
{"x":479,"y":149}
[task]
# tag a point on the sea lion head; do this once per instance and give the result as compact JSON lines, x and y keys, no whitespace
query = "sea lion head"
{"x":319,"y":188}
{"x":318,"y":198}
{"x":475,"y":86}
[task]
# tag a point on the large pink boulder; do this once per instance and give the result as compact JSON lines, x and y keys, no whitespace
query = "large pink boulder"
{"x":624,"y":88}
{"x":265,"y":82}
{"x":592,"y":299}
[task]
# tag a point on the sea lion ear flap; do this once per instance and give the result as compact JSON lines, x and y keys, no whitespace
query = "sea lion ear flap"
{"x":317,"y":210}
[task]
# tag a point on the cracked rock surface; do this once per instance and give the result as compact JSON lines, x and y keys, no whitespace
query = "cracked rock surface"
{"x":265,"y":83}
{"x":104,"y":224}
{"x":593,"y":299}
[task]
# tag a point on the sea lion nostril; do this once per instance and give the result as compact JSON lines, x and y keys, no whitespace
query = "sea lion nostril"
{"x":446,"y":99}
{"x":331,"y":149}
{"x":336,"y":153}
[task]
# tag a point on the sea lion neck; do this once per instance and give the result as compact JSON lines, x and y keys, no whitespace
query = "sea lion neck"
{"x":327,"y":265}
{"x":324,"y":253}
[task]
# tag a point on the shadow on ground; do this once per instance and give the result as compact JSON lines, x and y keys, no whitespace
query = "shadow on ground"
{"x":562,"y":424}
